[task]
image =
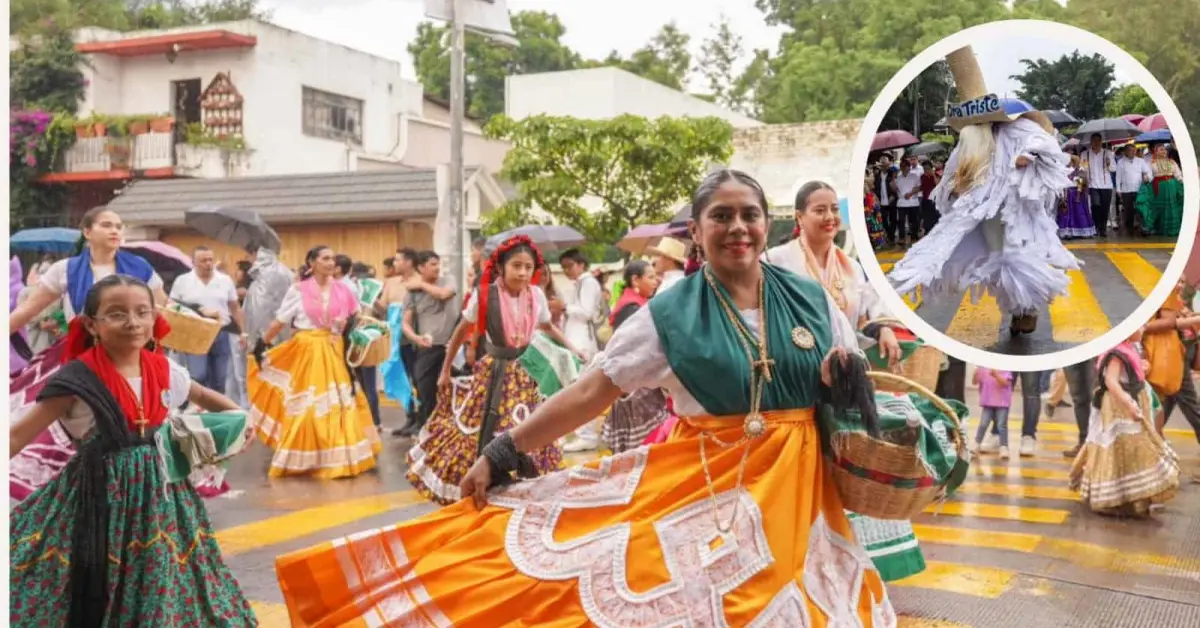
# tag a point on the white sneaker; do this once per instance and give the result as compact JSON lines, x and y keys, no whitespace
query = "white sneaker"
{"x":1004,"y":453}
{"x":1028,"y":446}
{"x":990,"y":444}
{"x":973,"y":447}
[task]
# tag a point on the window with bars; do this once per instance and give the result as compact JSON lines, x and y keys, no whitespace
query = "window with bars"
{"x":332,"y":116}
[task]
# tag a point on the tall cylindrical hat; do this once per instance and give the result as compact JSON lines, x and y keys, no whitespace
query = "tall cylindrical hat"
{"x":976,"y":105}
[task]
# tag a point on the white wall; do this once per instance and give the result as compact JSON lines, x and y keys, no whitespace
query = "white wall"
{"x":783,"y":157}
{"x":602,"y":93}
{"x":270,"y":77}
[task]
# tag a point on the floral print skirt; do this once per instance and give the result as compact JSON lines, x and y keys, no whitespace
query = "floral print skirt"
{"x":449,"y":443}
{"x":164,"y":564}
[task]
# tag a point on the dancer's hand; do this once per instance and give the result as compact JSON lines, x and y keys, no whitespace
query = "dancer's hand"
{"x":475,"y":483}
{"x":889,"y":346}
{"x":1022,"y":161}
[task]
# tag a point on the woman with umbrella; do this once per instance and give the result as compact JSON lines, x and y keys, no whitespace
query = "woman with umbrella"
{"x":1160,"y":202}
{"x":71,"y":278}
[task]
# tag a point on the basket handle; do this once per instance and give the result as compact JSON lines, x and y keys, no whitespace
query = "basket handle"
{"x":912,"y":386}
{"x":889,"y":321}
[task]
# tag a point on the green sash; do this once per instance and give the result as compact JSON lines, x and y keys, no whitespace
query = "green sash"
{"x":704,"y":351}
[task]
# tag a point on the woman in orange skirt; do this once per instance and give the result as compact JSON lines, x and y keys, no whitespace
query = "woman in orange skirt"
{"x":734,"y":521}
{"x":302,"y":396}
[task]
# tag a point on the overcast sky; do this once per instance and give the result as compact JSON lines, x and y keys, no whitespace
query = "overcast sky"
{"x":594,"y":27}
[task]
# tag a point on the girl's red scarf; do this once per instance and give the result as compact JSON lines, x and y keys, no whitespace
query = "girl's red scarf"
{"x":629,"y":295}
{"x":156,"y":375}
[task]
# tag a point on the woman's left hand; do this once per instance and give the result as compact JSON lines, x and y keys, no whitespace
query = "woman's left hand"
{"x":889,"y":346}
{"x":836,"y":353}
{"x":475,"y":482}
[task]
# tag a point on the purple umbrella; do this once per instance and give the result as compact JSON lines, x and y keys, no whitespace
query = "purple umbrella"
{"x":16,"y":361}
{"x":162,"y":256}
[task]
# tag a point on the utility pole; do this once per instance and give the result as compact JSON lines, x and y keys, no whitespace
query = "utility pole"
{"x":458,"y":97}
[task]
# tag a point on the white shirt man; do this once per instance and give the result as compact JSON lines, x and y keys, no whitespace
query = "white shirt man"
{"x":1131,"y":173}
{"x":1100,"y":166}
{"x":582,"y":298}
{"x":214,"y":294}
{"x":669,"y":262}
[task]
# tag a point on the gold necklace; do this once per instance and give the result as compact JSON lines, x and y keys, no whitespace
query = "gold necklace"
{"x":836,"y":287}
{"x":754,"y":424}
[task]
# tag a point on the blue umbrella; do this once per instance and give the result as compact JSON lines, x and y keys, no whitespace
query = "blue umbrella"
{"x":45,"y":240}
{"x":1156,"y":136}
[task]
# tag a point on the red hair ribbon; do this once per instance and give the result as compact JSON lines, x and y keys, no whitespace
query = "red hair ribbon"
{"x":79,"y":340}
{"x":490,"y":271}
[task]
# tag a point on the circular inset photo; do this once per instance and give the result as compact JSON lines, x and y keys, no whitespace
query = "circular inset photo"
{"x":1027,"y":186}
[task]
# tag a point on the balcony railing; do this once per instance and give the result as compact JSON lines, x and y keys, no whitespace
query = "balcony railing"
{"x":147,"y":151}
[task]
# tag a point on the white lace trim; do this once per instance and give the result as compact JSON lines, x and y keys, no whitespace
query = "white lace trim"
{"x":788,"y":609}
{"x":370,"y":563}
{"x":416,"y":463}
{"x":1106,"y":435}
{"x":833,"y":574}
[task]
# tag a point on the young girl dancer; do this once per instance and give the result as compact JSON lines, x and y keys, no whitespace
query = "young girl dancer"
{"x":111,"y":541}
{"x":1125,"y":467}
{"x":503,"y":315}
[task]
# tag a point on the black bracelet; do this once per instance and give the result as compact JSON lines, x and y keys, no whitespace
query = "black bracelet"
{"x":504,"y":459}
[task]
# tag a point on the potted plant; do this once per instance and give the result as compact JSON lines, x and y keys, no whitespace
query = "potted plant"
{"x":162,"y":123}
{"x":139,"y":125}
{"x":84,"y":129}
{"x":118,"y":153}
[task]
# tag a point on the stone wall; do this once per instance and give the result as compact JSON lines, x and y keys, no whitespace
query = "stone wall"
{"x":785,"y":156}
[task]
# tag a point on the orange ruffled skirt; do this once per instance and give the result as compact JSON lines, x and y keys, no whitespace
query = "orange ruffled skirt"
{"x":621,"y":542}
{"x":306,"y":410}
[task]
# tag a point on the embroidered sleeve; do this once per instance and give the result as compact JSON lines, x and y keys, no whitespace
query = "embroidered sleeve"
{"x":292,"y":305}
{"x":634,"y":357}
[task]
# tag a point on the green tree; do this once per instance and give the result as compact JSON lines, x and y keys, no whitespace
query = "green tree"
{"x":923,"y":102}
{"x":638,"y":169}
{"x":1079,"y":83}
{"x":665,"y":59}
{"x":720,"y":54}
{"x":540,"y":49}
{"x":44,"y":73}
{"x":1129,"y":99}
{"x":125,"y":15}
{"x":1161,"y":37}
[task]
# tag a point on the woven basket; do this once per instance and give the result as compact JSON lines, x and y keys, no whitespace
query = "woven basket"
{"x":373,"y":354}
{"x":872,"y":492}
{"x":922,"y":367}
{"x":189,"y":334}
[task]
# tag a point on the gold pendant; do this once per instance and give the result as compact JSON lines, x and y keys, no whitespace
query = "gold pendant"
{"x":755,"y":425}
{"x":839,"y":283}
{"x":803,"y":338}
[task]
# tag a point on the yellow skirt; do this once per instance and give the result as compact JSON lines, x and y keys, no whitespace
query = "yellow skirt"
{"x":303,"y":404}
{"x":1125,"y":466}
{"x":621,"y":542}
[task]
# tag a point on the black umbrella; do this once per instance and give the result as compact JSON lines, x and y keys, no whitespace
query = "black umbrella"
{"x":1060,"y":118}
{"x":1110,"y":130}
{"x":239,"y":227}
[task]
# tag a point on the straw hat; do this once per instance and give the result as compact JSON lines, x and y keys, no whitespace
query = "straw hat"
{"x":977,"y":105}
{"x":669,"y":248}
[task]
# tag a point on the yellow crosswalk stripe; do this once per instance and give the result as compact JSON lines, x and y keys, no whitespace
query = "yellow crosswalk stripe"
{"x":976,"y":324}
{"x":1140,"y":274}
{"x":301,"y":523}
{"x":1015,"y":472}
{"x":985,"y":582}
{"x":895,"y":256}
{"x":1018,"y":491}
{"x":1077,"y":317}
{"x":270,"y":615}
{"x":1000,"y":511}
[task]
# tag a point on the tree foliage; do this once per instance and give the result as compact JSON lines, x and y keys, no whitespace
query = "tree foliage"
{"x":1079,"y":83}
{"x":720,"y":55}
{"x":1129,"y":99}
{"x":637,"y":169}
{"x":44,"y":72}
{"x":665,"y":59}
{"x":127,"y":15}
{"x":540,"y":49}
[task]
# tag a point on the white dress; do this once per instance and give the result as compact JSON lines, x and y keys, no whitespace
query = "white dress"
{"x":1001,"y":236}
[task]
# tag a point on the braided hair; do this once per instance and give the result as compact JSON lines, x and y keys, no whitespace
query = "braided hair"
{"x":493,"y":269}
